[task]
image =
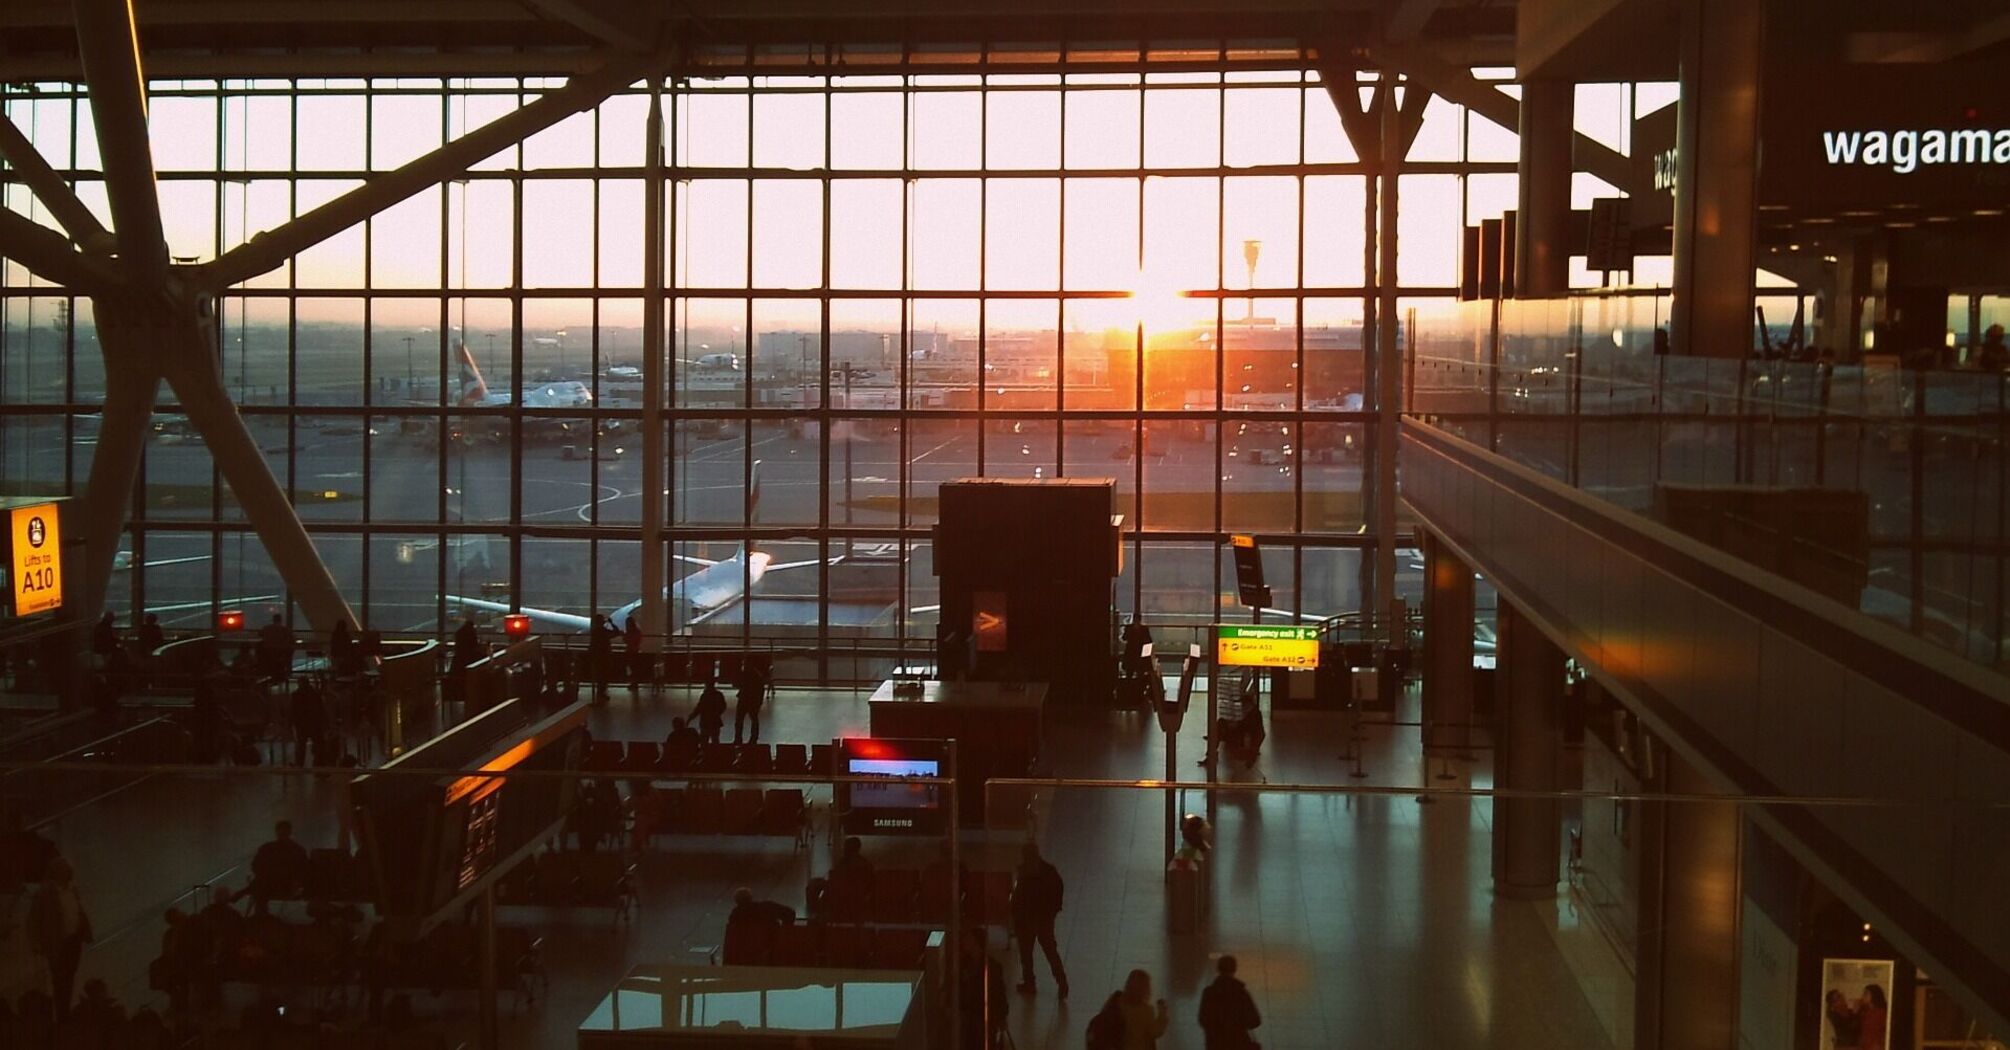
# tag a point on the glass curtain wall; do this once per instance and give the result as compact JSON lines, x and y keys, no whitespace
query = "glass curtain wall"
{"x":877,"y":283}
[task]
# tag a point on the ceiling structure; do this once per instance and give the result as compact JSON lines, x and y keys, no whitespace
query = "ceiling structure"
{"x":238,"y":38}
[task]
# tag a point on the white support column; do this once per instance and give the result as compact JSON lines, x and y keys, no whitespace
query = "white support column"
{"x":131,"y":385}
{"x":1716,"y":177}
{"x":653,"y":361}
{"x":1388,"y":362}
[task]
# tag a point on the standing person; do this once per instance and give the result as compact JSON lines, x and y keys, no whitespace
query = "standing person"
{"x":1227,"y":1013}
{"x":1144,"y":1019}
{"x":599,"y":650}
{"x":275,"y":649}
{"x":278,"y":869}
{"x":60,"y":928}
{"x":711,"y":711}
{"x":341,"y":648}
{"x":151,"y":635}
{"x":105,"y":639}
{"x":748,"y":696}
{"x":467,"y":646}
{"x":631,"y":647}
{"x":1992,"y":356}
{"x":1872,"y":1015}
{"x":1036,"y":900}
{"x":310,"y":722}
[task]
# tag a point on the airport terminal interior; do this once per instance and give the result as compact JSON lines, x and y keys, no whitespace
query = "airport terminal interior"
{"x":982,"y":524}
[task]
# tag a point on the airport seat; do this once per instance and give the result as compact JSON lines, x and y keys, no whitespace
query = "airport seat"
{"x":847,"y":947}
{"x":749,"y":944}
{"x":714,"y":758}
{"x":783,"y":812}
{"x":752,"y":760}
{"x":792,"y":759}
{"x":799,"y":944}
{"x":849,"y":898}
{"x":820,"y":760}
{"x":898,"y":948}
{"x":895,"y":894}
{"x":703,"y":812}
{"x":742,"y":811}
{"x":678,"y":759}
{"x":602,"y":756}
{"x":642,"y":757}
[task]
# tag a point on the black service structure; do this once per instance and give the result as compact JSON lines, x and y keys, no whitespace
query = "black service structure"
{"x":1028,"y":571}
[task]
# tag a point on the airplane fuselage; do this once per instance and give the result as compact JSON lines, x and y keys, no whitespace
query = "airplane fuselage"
{"x":703,"y":591}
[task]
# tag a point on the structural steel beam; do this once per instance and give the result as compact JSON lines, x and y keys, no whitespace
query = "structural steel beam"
{"x":610,"y":21}
{"x":48,"y":255}
{"x":110,"y":47}
{"x":268,"y":250}
{"x":49,"y":187}
{"x":1406,"y":19}
{"x":1459,"y":85}
{"x":190,"y":367}
{"x":131,"y":385}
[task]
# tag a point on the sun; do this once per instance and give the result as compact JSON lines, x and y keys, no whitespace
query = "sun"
{"x":1161,"y":306}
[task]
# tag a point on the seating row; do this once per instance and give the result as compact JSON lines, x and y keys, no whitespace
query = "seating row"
{"x":904,"y":895}
{"x":812,"y":944}
{"x":706,"y":810}
{"x":558,"y":879}
{"x":642,"y":758}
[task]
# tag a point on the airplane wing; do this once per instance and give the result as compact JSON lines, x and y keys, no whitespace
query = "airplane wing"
{"x":695,"y":560}
{"x":563,"y":621}
{"x":779,"y":566}
{"x":226,"y":603}
{"x":158,"y":562}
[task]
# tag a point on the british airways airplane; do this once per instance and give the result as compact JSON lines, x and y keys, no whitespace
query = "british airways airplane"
{"x":699,"y":596}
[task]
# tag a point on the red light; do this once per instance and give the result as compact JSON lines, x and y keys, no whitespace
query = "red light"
{"x":866,"y":747}
{"x":230,"y":620}
{"x":516,"y":625}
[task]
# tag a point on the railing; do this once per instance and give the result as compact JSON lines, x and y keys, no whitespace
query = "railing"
{"x":1885,"y":487}
{"x":42,"y":792}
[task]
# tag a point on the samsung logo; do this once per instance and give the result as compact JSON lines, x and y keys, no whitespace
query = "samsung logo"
{"x":890,"y":822}
{"x":1906,"y":151}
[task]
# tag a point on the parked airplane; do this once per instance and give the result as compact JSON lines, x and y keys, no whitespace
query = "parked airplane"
{"x":692,"y":600}
{"x":123,"y":561}
{"x":716,"y":363}
{"x":474,"y":392}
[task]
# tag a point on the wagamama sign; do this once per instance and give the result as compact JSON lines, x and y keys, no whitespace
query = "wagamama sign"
{"x":1907,"y":151}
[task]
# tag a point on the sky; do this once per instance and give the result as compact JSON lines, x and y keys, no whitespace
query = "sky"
{"x":1154,"y":237}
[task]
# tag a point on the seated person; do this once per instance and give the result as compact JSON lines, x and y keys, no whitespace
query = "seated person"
{"x":853,"y":862}
{"x":681,"y":746}
{"x":751,"y":929}
{"x":279,"y":868}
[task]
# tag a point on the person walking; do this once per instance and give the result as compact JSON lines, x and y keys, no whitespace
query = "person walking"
{"x":1036,"y":900}
{"x":749,"y":695}
{"x":310,"y":723}
{"x":60,"y":927}
{"x":1227,"y":1013}
{"x":275,"y":649}
{"x":711,"y":711}
{"x":1145,"y":1019}
{"x":631,"y":649}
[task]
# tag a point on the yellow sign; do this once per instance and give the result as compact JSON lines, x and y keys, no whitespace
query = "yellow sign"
{"x":37,"y":570}
{"x":1259,"y":646}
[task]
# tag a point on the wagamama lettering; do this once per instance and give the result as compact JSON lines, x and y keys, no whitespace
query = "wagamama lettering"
{"x":1905,"y":151}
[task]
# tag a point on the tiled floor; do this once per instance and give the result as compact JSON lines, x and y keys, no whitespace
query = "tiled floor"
{"x":1361,"y":921}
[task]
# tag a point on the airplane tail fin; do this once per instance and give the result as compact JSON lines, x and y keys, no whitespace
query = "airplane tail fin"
{"x":473,"y":389}
{"x":753,"y":502}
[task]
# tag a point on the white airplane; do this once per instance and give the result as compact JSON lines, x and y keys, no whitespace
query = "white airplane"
{"x":714,"y":588}
{"x":716,"y":362}
{"x":474,"y":391}
{"x":123,"y":561}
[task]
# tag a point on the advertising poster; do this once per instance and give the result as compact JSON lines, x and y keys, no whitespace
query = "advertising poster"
{"x":1856,"y":1004}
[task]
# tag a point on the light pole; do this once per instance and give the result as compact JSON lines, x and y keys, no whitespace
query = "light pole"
{"x":411,"y":376}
